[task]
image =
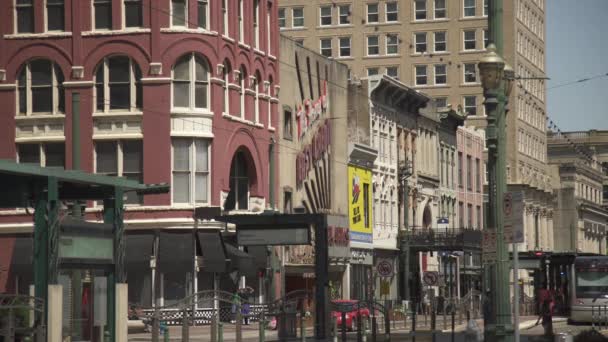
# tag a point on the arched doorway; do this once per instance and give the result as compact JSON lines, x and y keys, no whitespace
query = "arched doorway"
{"x":240,"y":176}
{"x":427,"y":217}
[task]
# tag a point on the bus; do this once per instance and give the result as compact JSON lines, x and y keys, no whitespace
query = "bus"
{"x":589,"y":290}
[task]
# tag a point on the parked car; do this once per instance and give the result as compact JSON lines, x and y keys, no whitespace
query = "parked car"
{"x":352,"y":316}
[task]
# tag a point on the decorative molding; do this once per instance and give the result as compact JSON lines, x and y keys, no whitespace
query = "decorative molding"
{"x":10,"y":86}
{"x":277,"y":90}
{"x":253,"y":81}
{"x":219,"y":69}
{"x":78,"y":84}
{"x":156,"y":68}
{"x":77,"y":72}
{"x":155,"y":80}
{"x":266,"y":86}
{"x":236,"y":74}
{"x":216,"y":80}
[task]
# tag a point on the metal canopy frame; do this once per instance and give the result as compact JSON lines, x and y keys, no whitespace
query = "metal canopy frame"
{"x":44,"y":188}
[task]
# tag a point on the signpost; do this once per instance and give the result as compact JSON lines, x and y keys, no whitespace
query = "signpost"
{"x":385,"y":268}
{"x":513,"y":208}
{"x":489,"y":245}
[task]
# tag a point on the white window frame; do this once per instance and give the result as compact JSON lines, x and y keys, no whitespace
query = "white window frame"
{"x":325,"y":16}
{"x":417,"y":10}
{"x":486,"y":38}
{"x":439,"y":9}
{"x":368,"y":13}
{"x":394,"y":45}
{"x":342,"y":15}
{"x":281,"y":19}
{"x":192,"y":86}
{"x":242,"y":92}
{"x":416,"y":75}
{"x":465,"y":8}
{"x":485,"y":8}
{"x":417,"y":43}
{"x":324,"y":48}
{"x":368,"y":45}
{"x":120,"y":158}
{"x":192,"y":171}
{"x":124,"y":14}
{"x":225,"y":18}
{"x":28,"y":91}
{"x":16,"y":22}
{"x":185,"y":15}
{"x":444,"y":74}
{"x":256,"y":24}
{"x":395,"y":12}
{"x":226,"y":89}
{"x":444,"y":41}
{"x":464,"y":40}
{"x":294,"y":18}
{"x":241,"y":21}
{"x":466,"y":71}
{"x":256,"y":86}
{"x":106,"y":87}
{"x":445,"y":100}
{"x":464,"y":104}
{"x":340,"y":40}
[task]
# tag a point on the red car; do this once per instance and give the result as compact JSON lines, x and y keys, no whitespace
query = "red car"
{"x":351,"y":316}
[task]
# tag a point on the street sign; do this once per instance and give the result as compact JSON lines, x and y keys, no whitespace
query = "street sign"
{"x":273,"y":236}
{"x":489,"y":245}
{"x":430,"y":278}
{"x":513,"y":210}
{"x":385,"y":268}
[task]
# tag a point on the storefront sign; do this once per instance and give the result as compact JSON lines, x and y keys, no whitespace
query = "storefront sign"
{"x":338,"y":239}
{"x":313,"y":152}
{"x":273,"y":236}
{"x":359,"y":204}
{"x":310,"y":111}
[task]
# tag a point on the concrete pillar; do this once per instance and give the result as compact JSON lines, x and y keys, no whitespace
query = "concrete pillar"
{"x":543,"y":229}
{"x":550,"y":230}
{"x":55,"y":313}
{"x":529,"y":228}
{"x":346,"y":282}
{"x":122,"y":307}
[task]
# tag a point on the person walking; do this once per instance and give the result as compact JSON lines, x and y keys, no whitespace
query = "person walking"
{"x":236,"y":305}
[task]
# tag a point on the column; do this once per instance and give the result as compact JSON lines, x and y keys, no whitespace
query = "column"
{"x":529,"y":227}
{"x":543,"y":229}
{"x":550,"y":230}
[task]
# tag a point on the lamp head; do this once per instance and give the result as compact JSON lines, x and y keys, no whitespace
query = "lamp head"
{"x":491,"y":69}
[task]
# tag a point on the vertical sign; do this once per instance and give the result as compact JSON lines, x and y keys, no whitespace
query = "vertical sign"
{"x":513,"y":209}
{"x":360,"y":204}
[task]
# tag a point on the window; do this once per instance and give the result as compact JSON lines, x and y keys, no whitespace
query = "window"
{"x":179,"y":13}
{"x":469,"y":173}
{"x":479,"y":219}
{"x":344,"y":14}
{"x":393,"y":71}
{"x":242,"y":78}
{"x":240,"y":20}
{"x":441,"y":76}
{"x":440,"y":11}
{"x":325,"y":16}
{"x":287,"y":202}
{"x":191,"y":83}
{"x":55,"y":20}
{"x":470,"y":73}
{"x":226,"y":17}
{"x":460,"y":183}
{"x":298,"y":17}
{"x":287,"y":125}
{"x":226,"y":76}
{"x":470,"y":215}
{"x":258,"y":87}
{"x":420,"y":39}
{"x":470,"y":105}
{"x":440,"y":41}
{"x":469,"y":40}
{"x":344,"y":46}
{"x":133,"y":13}
{"x":392,"y":44}
{"x":326,"y":47}
{"x":372,"y":71}
{"x":122,"y":158}
{"x":478,"y":174}
{"x":117,"y":85}
{"x":202,"y":6}
{"x":421,"y":75}
{"x":40,"y":80}
{"x":485,"y":8}
{"x":469,"y":8}
{"x":190,"y":175}
{"x":392,"y":11}
{"x":256,"y":23}
{"x":103,"y":14}
{"x":372,"y":13}
{"x":282,"y":20}
{"x":420,"y":9}
{"x":45,"y":154}
{"x":25,"y":16}
{"x":372,"y":46}
{"x":300,"y":42}
{"x":441,"y":102}
{"x":366,"y":205}
{"x":486,"y":38}
{"x":461,"y":214}
{"x":238,"y":197}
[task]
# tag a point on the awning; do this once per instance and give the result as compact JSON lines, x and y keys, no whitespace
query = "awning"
{"x":23,"y":254}
{"x":176,"y":252}
{"x":260,"y":256}
{"x":240,"y":260}
{"x":139,"y":247}
{"x":214,"y":253}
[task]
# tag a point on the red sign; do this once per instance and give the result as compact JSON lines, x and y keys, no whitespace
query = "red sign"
{"x":338,"y":237}
{"x":313,"y":152}
{"x":310,"y":111}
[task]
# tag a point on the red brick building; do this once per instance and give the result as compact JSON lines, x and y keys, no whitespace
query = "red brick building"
{"x":171,"y":91}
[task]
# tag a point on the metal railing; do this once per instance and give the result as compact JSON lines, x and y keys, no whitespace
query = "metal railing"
{"x":22,"y":317}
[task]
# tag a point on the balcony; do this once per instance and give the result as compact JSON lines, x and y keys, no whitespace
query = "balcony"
{"x":445,"y":239}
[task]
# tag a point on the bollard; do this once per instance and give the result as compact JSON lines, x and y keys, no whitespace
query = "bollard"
{"x":239,"y":325}
{"x":262,"y":328}
{"x":185,"y":326}
{"x":302,"y":328}
{"x":343,"y":326}
{"x":220,"y":332}
{"x":155,"y":326}
{"x":413,"y":330}
{"x":387,"y":328}
{"x":374,"y":328}
{"x":453,"y":326}
{"x":213,"y":328}
{"x":335,"y":328}
{"x":365,"y":332}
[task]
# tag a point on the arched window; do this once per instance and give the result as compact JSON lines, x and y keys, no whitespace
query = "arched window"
{"x":270,"y":95}
{"x":238,"y":197}
{"x":258,"y":90}
{"x":118,"y":85}
{"x":242,"y":84}
{"x":191,"y":83}
{"x":41,"y":80}
{"x":226,"y":89}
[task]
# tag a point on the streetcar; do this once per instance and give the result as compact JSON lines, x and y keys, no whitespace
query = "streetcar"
{"x":589,"y":290}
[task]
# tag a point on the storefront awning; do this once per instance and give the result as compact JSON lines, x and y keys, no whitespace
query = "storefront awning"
{"x":214,"y":253}
{"x":176,"y":251}
{"x":260,"y":256}
{"x":240,"y":260}
{"x":139,"y":247}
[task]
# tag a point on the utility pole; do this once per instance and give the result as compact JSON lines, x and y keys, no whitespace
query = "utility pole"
{"x":498,"y":327}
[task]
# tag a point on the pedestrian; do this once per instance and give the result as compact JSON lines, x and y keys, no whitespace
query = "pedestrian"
{"x":236,"y":305}
{"x":246,"y":310}
{"x":426,"y":304}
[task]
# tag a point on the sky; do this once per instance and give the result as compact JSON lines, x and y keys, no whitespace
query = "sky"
{"x":577,"y":47}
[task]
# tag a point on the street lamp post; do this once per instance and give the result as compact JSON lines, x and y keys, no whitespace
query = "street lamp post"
{"x":496,"y":80}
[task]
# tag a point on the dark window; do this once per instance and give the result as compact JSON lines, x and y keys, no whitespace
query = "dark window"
{"x":25,"y":16}
{"x":287,"y":203}
{"x":479,"y":219}
{"x":103,"y":14}
{"x":119,"y":83}
{"x":287,"y":125}
{"x":460,"y":169}
{"x":29,"y":153}
{"x":202,"y":13}
{"x":478,"y":174}
{"x":54,"y":154}
{"x":99,"y":89}
{"x":42,"y":86}
{"x":106,"y":153}
{"x":108,"y":159}
{"x":238,"y":197}
{"x":55,"y":15}
{"x":366,"y":205}
{"x":469,"y":216}
{"x":132,"y":153}
{"x":42,"y":81}
{"x":178,"y":12}
{"x":469,"y":179}
{"x":133,"y":13}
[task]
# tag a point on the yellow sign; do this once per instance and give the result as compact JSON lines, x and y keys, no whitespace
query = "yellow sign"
{"x":360,"y":204}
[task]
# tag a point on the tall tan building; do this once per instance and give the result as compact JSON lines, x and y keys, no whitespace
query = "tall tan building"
{"x":434,"y":46}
